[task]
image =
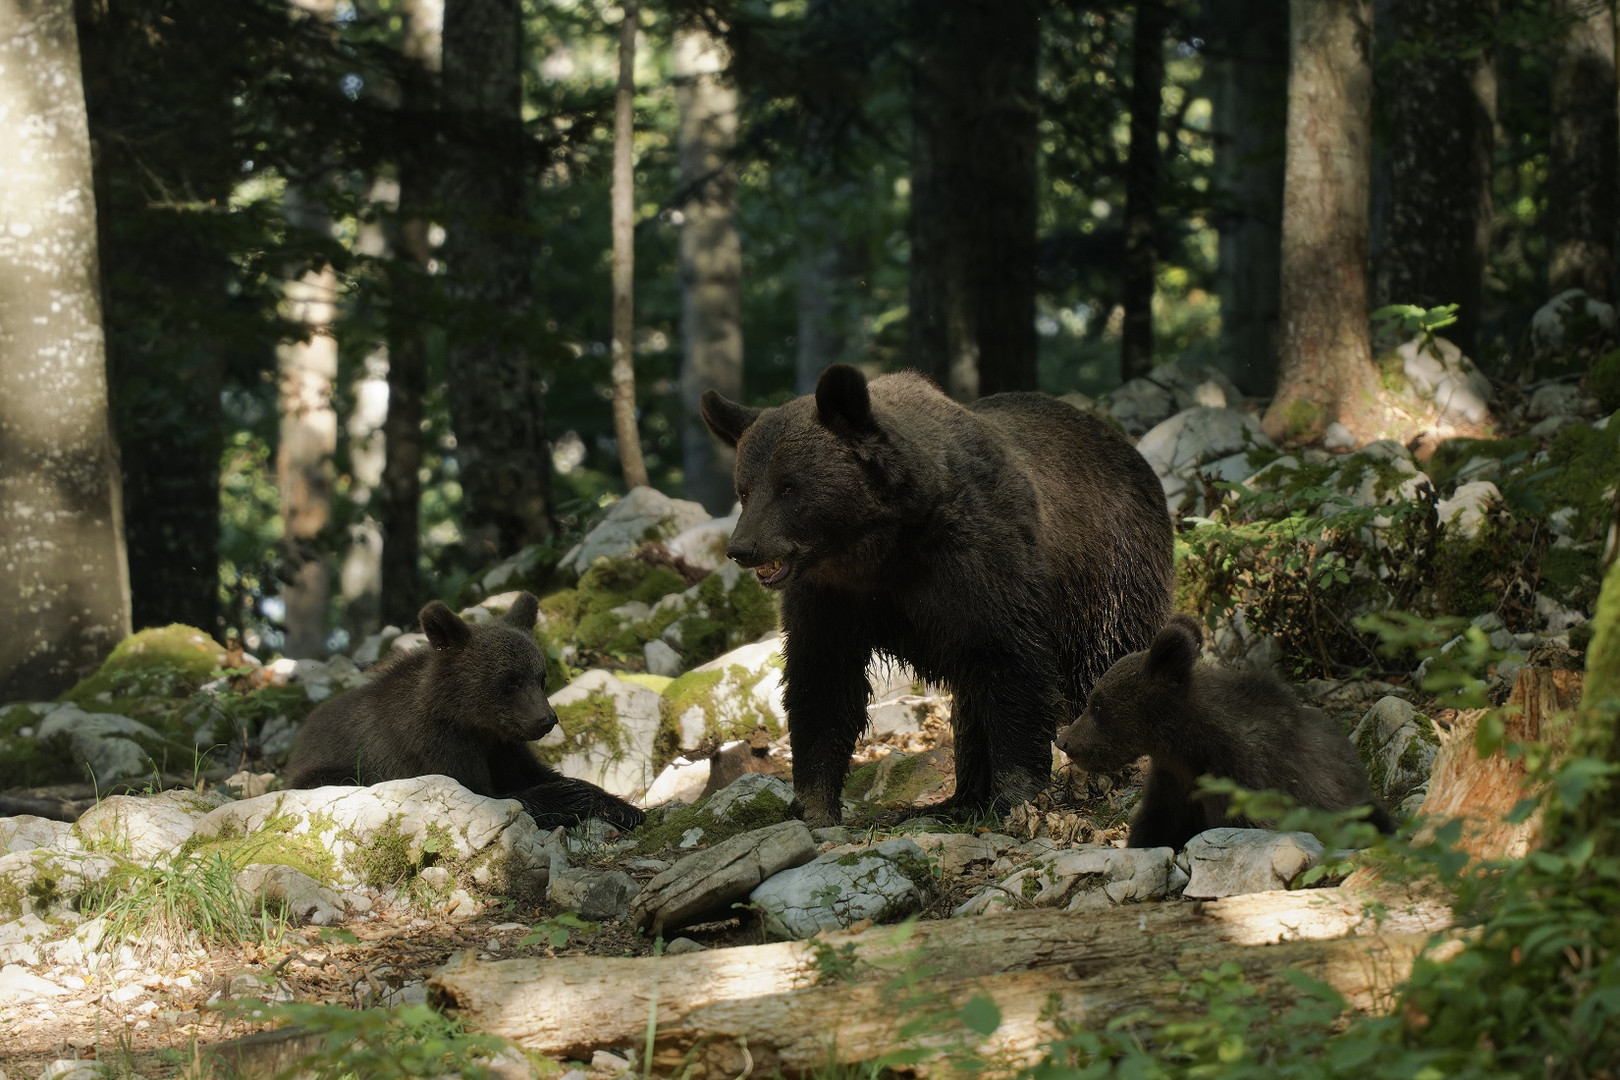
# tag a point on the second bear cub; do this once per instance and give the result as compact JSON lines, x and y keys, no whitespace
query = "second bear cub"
{"x":1194,"y":720}
{"x":466,"y":707}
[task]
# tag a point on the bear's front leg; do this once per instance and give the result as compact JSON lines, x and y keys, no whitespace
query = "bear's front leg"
{"x":825,"y":691}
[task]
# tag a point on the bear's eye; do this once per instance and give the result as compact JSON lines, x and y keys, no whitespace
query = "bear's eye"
{"x":742,"y":496}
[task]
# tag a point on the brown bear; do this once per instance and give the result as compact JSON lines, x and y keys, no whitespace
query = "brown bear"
{"x":467,"y":707}
{"x":1195,"y":720}
{"x":1011,"y":550}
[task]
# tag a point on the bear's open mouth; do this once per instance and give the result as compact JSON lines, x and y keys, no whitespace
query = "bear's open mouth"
{"x":773,"y":572}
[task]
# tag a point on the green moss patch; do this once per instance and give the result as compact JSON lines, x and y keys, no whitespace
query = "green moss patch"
{"x":591,"y":722}
{"x":664,"y":830}
{"x":162,"y":662}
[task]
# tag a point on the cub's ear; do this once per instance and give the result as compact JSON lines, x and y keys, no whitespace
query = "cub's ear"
{"x":443,"y":627}
{"x":523,"y":613}
{"x":1170,"y":660}
{"x":843,"y":402}
{"x":725,"y":417}
{"x":1189,"y":624}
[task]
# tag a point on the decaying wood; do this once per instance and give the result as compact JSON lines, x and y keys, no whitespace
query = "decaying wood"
{"x":770,"y":1004}
{"x":1483,"y":791}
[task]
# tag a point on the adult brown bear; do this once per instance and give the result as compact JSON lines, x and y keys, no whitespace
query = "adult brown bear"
{"x":1011,"y":549}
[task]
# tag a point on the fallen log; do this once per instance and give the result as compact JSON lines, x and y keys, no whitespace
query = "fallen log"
{"x":797,"y":1006}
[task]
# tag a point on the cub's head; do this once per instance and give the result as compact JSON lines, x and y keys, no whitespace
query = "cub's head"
{"x":809,"y":476}
{"x":1133,"y":708}
{"x":492,"y":677}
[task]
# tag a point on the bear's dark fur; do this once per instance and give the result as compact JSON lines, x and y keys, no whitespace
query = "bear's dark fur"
{"x":466,"y":708}
{"x":1011,"y":549}
{"x":1195,"y":720}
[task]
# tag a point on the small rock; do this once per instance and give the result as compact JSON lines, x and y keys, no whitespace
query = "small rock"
{"x":642,"y":515}
{"x":1464,"y":513}
{"x":955,"y":852}
{"x":1229,"y":862}
{"x":683,"y":945}
{"x":1086,"y":878}
{"x":1568,"y":318}
{"x":596,"y":894}
{"x":19,"y":984}
{"x":26,"y":832}
{"x":661,"y":658}
{"x":738,"y":796}
{"x":1398,"y":744}
{"x":681,"y":781}
{"x":1338,"y":437}
{"x":705,"y":884}
{"x":883,"y":882}
{"x":835,"y":834}
{"x":307,"y":900}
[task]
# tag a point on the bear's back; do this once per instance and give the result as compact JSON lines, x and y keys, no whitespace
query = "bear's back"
{"x":366,"y":733}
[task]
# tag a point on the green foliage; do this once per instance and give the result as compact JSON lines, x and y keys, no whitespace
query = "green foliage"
{"x":379,"y":1044}
{"x":160,"y":662}
{"x":556,"y":931}
{"x":193,"y":894}
{"x":1605,"y":378}
{"x":1410,"y":319}
{"x":833,"y":964}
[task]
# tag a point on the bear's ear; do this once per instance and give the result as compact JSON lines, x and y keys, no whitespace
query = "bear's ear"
{"x":443,"y":627}
{"x":842,"y":401}
{"x":725,"y":417}
{"x":523,"y":613}
{"x":1170,"y":660}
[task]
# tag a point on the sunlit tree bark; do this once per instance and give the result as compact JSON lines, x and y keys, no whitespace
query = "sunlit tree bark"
{"x":624,"y":256}
{"x":711,"y":258}
{"x":1326,"y":372}
{"x":64,"y":579}
{"x":496,"y":404}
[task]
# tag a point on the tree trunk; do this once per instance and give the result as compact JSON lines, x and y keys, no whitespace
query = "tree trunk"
{"x":64,"y":602}
{"x":1326,"y":373}
{"x":818,"y":343}
{"x":1247,"y":71}
{"x":1597,"y":731}
{"x":973,"y":195}
{"x":165,"y":374}
{"x":1442,"y":116}
{"x":1040,"y":967}
{"x":711,"y":259}
{"x":1142,"y":169}
{"x":306,"y":370}
{"x":496,"y":405}
{"x":411,"y":287}
{"x":624,"y":257}
{"x":1582,"y":170}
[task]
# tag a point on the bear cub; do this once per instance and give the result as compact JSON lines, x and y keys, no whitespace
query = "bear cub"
{"x":467,"y":707}
{"x":1194,"y":720}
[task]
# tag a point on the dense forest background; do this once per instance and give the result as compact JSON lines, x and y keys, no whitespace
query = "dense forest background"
{"x":355,"y":259}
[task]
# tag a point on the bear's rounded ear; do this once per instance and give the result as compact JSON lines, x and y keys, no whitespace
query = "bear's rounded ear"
{"x":842,"y":400}
{"x":725,"y":417}
{"x":523,"y":613}
{"x":443,"y":627}
{"x":1170,"y":659}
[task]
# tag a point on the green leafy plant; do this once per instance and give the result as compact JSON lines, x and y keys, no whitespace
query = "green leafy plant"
{"x":556,"y":931}
{"x":376,"y":1044}
{"x":1410,"y":319}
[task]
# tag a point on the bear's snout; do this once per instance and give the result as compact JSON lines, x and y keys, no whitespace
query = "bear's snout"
{"x":746,"y":555}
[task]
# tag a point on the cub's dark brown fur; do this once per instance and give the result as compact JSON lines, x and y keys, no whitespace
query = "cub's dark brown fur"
{"x":1011,"y":550}
{"x":466,"y":708}
{"x":1195,"y":720}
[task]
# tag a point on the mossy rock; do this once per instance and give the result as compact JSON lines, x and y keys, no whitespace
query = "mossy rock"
{"x":534,"y":569}
{"x":583,"y":616}
{"x":25,"y":761}
{"x":1451,"y":455}
{"x":1605,"y":378}
{"x":1579,"y":471}
{"x":719,"y":703}
{"x":157,"y":663}
{"x":664,"y":829}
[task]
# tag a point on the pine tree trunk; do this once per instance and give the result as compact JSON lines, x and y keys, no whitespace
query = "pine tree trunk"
{"x":624,"y":256}
{"x":1582,"y":170}
{"x":64,"y":601}
{"x":711,"y":259}
{"x":973,"y":195}
{"x":1247,"y":71}
{"x":1142,"y":169}
{"x":496,"y":405}
{"x":1326,"y":372}
{"x":401,"y":503}
{"x":1442,"y":104}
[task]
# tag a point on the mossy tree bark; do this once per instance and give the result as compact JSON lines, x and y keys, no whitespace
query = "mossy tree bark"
{"x":1582,"y":170}
{"x":711,"y":258}
{"x":1247,"y":73}
{"x":65,"y":599}
{"x":973,"y":195}
{"x":1442,"y":102}
{"x":1327,"y":373}
{"x":496,"y":404}
{"x":1597,"y":730}
{"x":1143,"y":167}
